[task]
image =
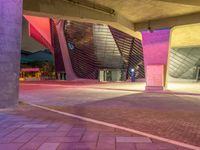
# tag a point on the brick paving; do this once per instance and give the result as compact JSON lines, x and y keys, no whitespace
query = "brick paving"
{"x":30,"y":128}
{"x":172,"y":122}
{"x":171,"y":116}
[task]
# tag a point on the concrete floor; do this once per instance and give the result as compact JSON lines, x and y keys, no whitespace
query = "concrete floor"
{"x":191,"y":87}
{"x":173,"y":115}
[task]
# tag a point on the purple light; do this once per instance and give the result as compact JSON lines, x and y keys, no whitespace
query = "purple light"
{"x":155,"y":50}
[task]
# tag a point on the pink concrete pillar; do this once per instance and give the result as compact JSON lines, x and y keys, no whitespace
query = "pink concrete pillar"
{"x":155,"y":49}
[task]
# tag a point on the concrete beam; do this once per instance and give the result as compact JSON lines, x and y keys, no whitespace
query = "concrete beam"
{"x":184,"y":2}
{"x":168,"y":22}
{"x":66,"y":10}
{"x":186,"y":36}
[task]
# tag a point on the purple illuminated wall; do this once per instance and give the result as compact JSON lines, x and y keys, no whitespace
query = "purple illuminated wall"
{"x":155,"y":47}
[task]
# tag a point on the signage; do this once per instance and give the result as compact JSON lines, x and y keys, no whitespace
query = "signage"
{"x":30,"y":69}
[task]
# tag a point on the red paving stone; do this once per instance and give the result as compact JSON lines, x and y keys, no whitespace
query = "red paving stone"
{"x":34,"y":143}
{"x":154,"y":146}
{"x":63,"y":139}
{"x":90,"y":136}
{"x":10,"y":146}
{"x":126,"y":146}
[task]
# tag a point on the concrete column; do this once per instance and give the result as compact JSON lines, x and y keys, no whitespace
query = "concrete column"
{"x":155,"y":49}
{"x":70,"y":75}
{"x":10,"y":47}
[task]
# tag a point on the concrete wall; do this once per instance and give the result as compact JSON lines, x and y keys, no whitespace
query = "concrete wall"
{"x":155,"y":50}
{"x":10,"y":46}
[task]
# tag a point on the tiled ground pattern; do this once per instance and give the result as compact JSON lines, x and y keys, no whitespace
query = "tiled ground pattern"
{"x":180,"y":125}
{"x":29,"y":128}
{"x":171,"y":116}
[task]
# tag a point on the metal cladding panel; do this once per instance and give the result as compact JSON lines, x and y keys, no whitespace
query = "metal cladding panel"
{"x":136,"y":58}
{"x":79,"y":37}
{"x":106,"y":49}
{"x":131,"y":51}
{"x":183,"y":62}
{"x":59,"y":64}
{"x":95,"y":46}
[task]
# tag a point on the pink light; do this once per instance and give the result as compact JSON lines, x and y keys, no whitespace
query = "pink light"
{"x":39,"y":29}
{"x":155,"y":50}
{"x":30,"y":69}
{"x":155,"y":47}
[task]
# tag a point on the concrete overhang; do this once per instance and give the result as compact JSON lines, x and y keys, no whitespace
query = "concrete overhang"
{"x":186,"y":36}
{"x":67,"y":10}
{"x":168,"y":22}
{"x":156,"y":14}
{"x":185,"y":2}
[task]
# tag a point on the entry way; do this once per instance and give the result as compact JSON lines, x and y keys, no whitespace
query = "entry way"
{"x":112,"y":75}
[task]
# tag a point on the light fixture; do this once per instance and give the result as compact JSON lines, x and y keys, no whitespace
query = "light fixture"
{"x":91,"y":5}
{"x":68,"y":23}
{"x":149,"y":27}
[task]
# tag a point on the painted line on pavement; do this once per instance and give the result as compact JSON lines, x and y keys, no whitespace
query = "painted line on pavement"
{"x":118,"y":127}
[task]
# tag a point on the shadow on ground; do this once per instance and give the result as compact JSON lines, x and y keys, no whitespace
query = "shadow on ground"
{"x":168,"y":116}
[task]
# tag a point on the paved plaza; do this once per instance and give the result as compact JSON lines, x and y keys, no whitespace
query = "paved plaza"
{"x":173,"y":115}
{"x":100,"y":75}
{"x":30,"y":128}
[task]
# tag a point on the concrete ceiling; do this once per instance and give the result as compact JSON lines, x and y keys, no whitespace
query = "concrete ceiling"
{"x":186,"y":2}
{"x":145,"y":10}
{"x":130,"y":16}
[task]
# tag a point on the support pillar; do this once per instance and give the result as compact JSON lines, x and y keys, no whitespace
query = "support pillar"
{"x":10,"y":47}
{"x":155,"y":49}
{"x":65,"y":51}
